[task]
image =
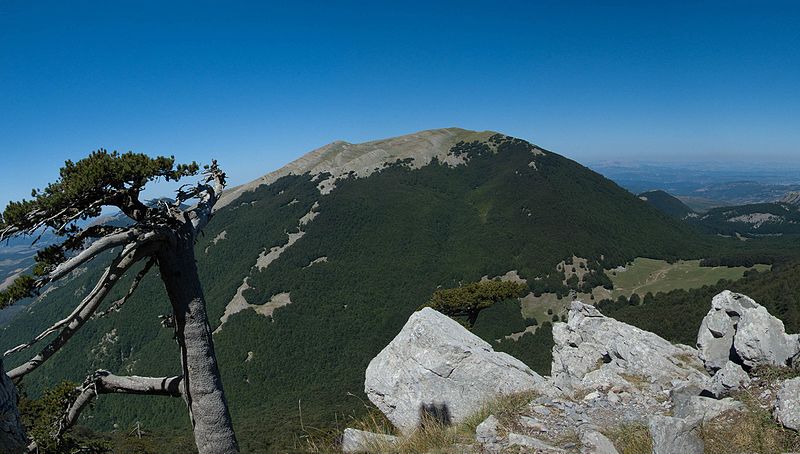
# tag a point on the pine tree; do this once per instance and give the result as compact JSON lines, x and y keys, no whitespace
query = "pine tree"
{"x":162,"y":235}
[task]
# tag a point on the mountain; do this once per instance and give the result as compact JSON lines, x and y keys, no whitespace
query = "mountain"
{"x":753,"y":219}
{"x":667,"y":204}
{"x":792,"y":198}
{"x":310,"y":270}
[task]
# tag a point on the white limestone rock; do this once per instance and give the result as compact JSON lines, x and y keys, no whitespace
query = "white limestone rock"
{"x":594,"y":351}
{"x":674,"y":435}
{"x":436,"y":366}
{"x":787,"y":404}
{"x":730,"y":378}
{"x":698,"y":409}
{"x":740,"y":330}
{"x":596,"y":443}
{"x":354,"y":440}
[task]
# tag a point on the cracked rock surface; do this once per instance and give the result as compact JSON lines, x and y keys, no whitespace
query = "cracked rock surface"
{"x":436,"y":366}
{"x":740,"y":330}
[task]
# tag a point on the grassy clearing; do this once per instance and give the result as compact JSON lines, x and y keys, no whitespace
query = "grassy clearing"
{"x":537,"y":306}
{"x":648,"y":275}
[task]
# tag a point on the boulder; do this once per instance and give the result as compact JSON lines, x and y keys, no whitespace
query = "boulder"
{"x":738,"y":329}
{"x":594,"y":351}
{"x":436,"y":367}
{"x":698,"y":409}
{"x":787,"y":404}
{"x":596,"y":443}
{"x":526,"y":442}
{"x":486,"y":433}
{"x":674,"y":435}
{"x":730,"y":378}
{"x":354,"y":440}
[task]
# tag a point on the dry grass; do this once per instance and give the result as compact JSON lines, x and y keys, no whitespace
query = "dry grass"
{"x":639,"y":381}
{"x":631,"y":439}
{"x":432,"y":436}
{"x":751,"y":431}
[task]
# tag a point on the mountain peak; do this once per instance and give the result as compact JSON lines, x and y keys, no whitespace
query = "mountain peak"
{"x":341,"y":158}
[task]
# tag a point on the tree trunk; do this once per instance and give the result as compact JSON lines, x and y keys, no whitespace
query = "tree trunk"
{"x":12,"y":434}
{"x":205,"y":398}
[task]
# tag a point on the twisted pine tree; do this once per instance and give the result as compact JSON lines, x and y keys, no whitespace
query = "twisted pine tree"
{"x":162,"y":235}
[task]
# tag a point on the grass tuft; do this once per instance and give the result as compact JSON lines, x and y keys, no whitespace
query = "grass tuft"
{"x":631,"y":439}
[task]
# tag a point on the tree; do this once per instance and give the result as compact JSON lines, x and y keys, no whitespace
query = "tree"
{"x":470,"y":299}
{"x":162,"y":235}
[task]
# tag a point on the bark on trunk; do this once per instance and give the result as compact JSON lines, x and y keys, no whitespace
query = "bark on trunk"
{"x":202,"y":385}
{"x":12,"y":434}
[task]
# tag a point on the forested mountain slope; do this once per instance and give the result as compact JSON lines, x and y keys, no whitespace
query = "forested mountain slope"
{"x":315,"y":268}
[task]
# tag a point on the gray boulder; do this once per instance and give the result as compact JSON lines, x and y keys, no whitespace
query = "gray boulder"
{"x":787,"y":404}
{"x":596,"y":443}
{"x":435,"y":366}
{"x":674,"y":435}
{"x":730,"y":378}
{"x":487,"y":432}
{"x":594,"y":351}
{"x":740,"y":330}
{"x":354,"y":440}
{"x":526,"y":442}
{"x":698,"y":409}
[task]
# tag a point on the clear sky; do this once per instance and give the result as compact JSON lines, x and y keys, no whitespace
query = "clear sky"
{"x":258,"y":84}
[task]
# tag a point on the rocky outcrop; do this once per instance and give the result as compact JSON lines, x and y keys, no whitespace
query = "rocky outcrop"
{"x":740,"y":330}
{"x":605,"y":375}
{"x":435,"y":367}
{"x":354,"y":440}
{"x":596,"y":443}
{"x":699,"y":409}
{"x":594,"y":351}
{"x":674,"y":435}
{"x":728,"y":379}
{"x":787,"y":404}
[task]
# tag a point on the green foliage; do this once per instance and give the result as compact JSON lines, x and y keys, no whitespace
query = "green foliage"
{"x":22,"y":287}
{"x":666,"y":203}
{"x":83,"y":187}
{"x":468,"y":300}
{"x":41,"y":418}
{"x":535,"y":350}
{"x":501,"y":319}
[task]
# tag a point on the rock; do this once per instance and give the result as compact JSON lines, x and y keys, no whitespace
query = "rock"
{"x":524,"y":441}
{"x":787,"y":404}
{"x":436,"y":366}
{"x":730,"y":378}
{"x":354,"y":440}
{"x":596,"y":443}
{"x":698,"y":409}
{"x":674,"y":435}
{"x":486,"y":432}
{"x":738,"y":329}
{"x":594,"y":351}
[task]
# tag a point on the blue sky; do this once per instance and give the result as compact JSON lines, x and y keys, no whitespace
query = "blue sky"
{"x":257,"y":84}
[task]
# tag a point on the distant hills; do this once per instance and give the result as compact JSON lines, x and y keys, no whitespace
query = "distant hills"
{"x":311,"y":270}
{"x":757,"y":219}
{"x":667,"y":204}
{"x":706,"y":185}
